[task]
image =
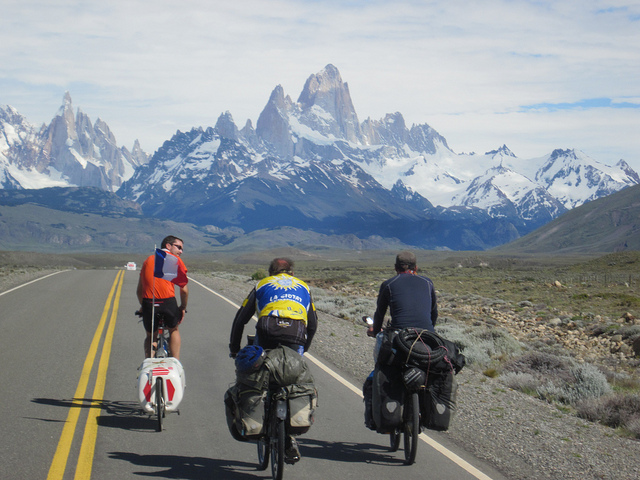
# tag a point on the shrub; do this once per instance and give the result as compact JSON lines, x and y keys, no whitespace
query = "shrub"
{"x":479,"y":344}
{"x":524,"y":382}
{"x":542,"y":365}
{"x":258,"y":275}
{"x":587,"y":382}
{"x":615,"y":411}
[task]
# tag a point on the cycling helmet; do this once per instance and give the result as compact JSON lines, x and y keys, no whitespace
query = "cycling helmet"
{"x":249,"y":358}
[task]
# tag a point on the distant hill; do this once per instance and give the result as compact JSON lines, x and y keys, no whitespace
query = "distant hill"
{"x":88,"y":219}
{"x":606,"y":225}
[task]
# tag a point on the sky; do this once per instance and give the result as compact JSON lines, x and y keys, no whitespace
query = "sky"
{"x":534,"y":75}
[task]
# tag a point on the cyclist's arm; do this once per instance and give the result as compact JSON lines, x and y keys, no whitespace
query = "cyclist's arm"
{"x":384,"y":297}
{"x":434,"y":306}
{"x":139,"y":290}
{"x":312,"y":325}
{"x":242,"y":317}
{"x":184,"y":299}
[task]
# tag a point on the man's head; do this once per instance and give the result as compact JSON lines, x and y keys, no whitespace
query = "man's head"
{"x":173,"y":244}
{"x":405,"y":260}
{"x":281,"y":265}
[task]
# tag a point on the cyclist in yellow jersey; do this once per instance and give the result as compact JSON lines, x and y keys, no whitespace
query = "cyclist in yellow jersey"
{"x":286,"y":314}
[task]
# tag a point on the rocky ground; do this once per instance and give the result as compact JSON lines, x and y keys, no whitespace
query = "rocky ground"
{"x":523,"y":437}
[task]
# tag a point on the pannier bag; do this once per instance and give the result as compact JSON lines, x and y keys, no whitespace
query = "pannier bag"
{"x":244,"y":404}
{"x":245,"y":401}
{"x":439,"y":402}
{"x":367,"y":394}
{"x":387,"y":398}
{"x":303,"y":400}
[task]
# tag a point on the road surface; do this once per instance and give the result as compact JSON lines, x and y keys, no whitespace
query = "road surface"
{"x":70,"y":348}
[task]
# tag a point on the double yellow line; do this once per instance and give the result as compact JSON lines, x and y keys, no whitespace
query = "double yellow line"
{"x":85,"y":460}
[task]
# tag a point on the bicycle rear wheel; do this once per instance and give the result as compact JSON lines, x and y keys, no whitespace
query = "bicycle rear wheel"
{"x":264,"y":450}
{"x":411,"y":428}
{"x":277,"y":449}
{"x":159,"y":400}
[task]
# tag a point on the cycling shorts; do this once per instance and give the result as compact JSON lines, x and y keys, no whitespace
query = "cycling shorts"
{"x":164,"y":306}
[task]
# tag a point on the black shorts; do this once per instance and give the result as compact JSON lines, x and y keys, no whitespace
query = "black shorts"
{"x":274,"y":331}
{"x":168,"y":307}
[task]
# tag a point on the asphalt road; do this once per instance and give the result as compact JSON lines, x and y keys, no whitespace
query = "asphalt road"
{"x":70,"y":347}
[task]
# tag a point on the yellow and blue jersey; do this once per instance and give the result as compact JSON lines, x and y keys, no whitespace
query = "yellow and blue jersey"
{"x":283,"y":296}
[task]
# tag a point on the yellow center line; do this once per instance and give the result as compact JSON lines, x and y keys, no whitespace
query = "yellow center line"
{"x":85,"y":460}
{"x":59,"y":462}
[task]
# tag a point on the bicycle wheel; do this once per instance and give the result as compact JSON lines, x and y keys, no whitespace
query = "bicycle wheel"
{"x":277,"y":449}
{"x":394,"y":440}
{"x":264,"y":450}
{"x":159,"y":403}
{"x":411,"y":428}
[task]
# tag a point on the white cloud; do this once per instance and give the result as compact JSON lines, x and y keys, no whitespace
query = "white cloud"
{"x":466,"y":68}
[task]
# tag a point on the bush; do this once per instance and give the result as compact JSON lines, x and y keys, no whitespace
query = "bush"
{"x":258,"y":275}
{"x":543,"y":366}
{"x":614,"y":411}
{"x":479,"y":345}
{"x":587,"y":382}
{"x":556,"y":378}
{"x":524,"y":382}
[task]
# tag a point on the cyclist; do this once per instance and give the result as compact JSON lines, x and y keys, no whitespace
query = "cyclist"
{"x":159,"y":294}
{"x":410,"y":297}
{"x":286,"y":316}
{"x":412,"y":301}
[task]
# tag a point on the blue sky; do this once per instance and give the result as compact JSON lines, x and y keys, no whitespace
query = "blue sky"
{"x":534,"y":75}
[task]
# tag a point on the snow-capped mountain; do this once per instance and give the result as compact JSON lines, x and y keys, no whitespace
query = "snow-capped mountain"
{"x":70,"y":151}
{"x":312,"y":164}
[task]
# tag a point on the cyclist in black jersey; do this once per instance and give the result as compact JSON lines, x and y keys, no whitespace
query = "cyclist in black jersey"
{"x":410,"y":297}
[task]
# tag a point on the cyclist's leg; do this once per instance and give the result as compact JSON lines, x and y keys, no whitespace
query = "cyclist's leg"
{"x":174,"y":342}
{"x":146,"y":321}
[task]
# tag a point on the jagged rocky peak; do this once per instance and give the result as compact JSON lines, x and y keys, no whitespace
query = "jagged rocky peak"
{"x":559,"y":153}
{"x":273,"y":124}
{"x":226,"y":127}
{"x":326,"y":106}
{"x":503,"y":150}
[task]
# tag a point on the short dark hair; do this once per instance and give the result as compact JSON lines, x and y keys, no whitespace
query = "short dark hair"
{"x":280,"y":265}
{"x":169,"y":239}
{"x":405,"y":260}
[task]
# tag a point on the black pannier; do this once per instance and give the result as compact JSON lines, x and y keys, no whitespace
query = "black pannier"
{"x":439,"y":402}
{"x":387,"y":398}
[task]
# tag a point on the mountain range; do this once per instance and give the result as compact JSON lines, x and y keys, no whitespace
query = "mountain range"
{"x":313,"y":166}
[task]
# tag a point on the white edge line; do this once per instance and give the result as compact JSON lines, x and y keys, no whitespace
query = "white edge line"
{"x":426,"y":438}
{"x":32,"y":281}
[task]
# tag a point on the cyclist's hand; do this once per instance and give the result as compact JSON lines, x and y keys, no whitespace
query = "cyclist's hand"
{"x":370,"y":332}
{"x":233,"y":355}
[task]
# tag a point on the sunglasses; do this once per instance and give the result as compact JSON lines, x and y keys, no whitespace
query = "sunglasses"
{"x":179,"y":247}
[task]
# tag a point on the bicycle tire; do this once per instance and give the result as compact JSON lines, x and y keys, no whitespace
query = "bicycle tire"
{"x":423,"y":345}
{"x":159,"y":400}
{"x":264,"y":451}
{"x":411,"y":428}
{"x":277,"y":449}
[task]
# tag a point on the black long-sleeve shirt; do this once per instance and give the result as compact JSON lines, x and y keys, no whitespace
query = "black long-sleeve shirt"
{"x":412,"y":302}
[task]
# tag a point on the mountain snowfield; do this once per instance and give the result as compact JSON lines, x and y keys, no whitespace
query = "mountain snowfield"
{"x":312,"y":164}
